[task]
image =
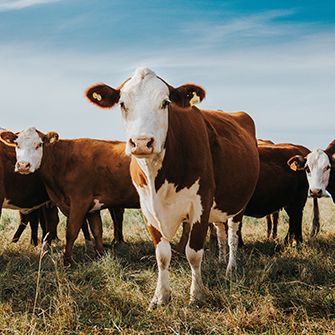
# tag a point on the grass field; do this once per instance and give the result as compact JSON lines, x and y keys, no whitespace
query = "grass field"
{"x":276,"y":290}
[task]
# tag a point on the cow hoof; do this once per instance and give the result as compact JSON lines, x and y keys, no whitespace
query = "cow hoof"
{"x":117,"y":244}
{"x":162,"y":300}
{"x":89,"y":245}
{"x":68,"y":261}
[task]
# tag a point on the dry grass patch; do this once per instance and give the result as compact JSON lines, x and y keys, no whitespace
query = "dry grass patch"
{"x":276,"y":290}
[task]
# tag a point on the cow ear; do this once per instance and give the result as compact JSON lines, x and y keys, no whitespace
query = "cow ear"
{"x":8,"y":138}
{"x":51,"y":137}
{"x":297,"y":163}
{"x":103,"y":95}
{"x":187,"y":95}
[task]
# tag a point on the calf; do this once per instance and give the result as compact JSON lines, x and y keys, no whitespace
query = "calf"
{"x":82,"y":176}
{"x":186,"y":164}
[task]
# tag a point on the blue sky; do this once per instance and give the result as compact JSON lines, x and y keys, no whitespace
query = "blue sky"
{"x":273,"y":59}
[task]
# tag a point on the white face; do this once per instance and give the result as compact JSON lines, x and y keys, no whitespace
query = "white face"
{"x":29,"y":151}
{"x":318,"y":171}
{"x":144,"y":102}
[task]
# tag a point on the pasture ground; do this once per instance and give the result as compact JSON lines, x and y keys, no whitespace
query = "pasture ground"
{"x":276,"y":290}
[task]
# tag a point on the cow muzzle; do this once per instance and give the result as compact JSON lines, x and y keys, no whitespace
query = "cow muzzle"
{"x":141,"y":146}
{"x":315,"y":193}
{"x":23,"y":167}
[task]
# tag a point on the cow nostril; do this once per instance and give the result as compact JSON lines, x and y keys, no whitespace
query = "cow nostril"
{"x":150,"y":143}
{"x":132,"y":143}
{"x":320,"y":192}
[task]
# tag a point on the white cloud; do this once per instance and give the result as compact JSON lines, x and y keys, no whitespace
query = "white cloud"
{"x":7,"y":5}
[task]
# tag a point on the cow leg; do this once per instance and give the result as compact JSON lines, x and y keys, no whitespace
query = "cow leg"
{"x":295,"y":225}
{"x":75,"y":222}
{"x":275,"y":218}
{"x":269,"y":224}
{"x":163,"y":257}
{"x":95,"y":222}
{"x":51,"y":218}
{"x":316,"y":218}
{"x":194,"y":253}
{"x":33,"y":220}
{"x":221,"y":234}
{"x":233,"y":226}
{"x":117,"y":216}
{"x":23,"y":224}
{"x":180,"y":247}
{"x":42,"y":221}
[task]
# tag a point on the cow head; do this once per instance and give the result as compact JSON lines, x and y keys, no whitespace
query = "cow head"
{"x":317,"y":165}
{"x":144,"y":100}
{"x":29,"y":148}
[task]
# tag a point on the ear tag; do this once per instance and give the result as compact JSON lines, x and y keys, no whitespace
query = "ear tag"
{"x":52,"y":140}
{"x":195,"y":99}
{"x":96,"y":96}
{"x":293,"y":166}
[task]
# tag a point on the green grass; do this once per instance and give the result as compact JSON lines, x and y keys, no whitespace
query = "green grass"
{"x":276,"y":290}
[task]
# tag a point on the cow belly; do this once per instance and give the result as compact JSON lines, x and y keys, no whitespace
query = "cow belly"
{"x":167,"y":208}
{"x":8,"y":205}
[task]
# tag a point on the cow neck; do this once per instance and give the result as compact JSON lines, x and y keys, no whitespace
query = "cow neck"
{"x":182,"y":164}
{"x":52,"y":165}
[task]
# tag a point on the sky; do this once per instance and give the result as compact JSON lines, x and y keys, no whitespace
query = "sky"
{"x":272,"y":59}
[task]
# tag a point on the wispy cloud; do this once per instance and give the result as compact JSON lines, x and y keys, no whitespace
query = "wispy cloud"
{"x":8,"y":5}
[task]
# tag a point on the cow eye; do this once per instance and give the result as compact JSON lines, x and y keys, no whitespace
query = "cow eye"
{"x":38,"y":145}
{"x":123,"y":107}
{"x":308,"y":169}
{"x":327,"y":167}
{"x":165,"y":103}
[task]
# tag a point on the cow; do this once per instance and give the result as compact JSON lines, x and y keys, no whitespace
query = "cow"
{"x":187,"y":164}
{"x":82,"y":176}
{"x":26,"y":194}
{"x":320,"y":170}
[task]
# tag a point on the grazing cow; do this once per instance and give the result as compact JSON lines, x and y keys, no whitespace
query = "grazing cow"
{"x":320,"y":170}
{"x":26,"y":194}
{"x":186,"y":164}
{"x":82,"y":176}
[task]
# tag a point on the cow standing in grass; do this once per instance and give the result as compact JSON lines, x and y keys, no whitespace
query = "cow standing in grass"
{"x":186,"y":164}
{"x":82,"y":176}
{"x":26,"y":194}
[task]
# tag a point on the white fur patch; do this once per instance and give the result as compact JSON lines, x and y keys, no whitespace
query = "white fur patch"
{"x":170,"y":208}
{"x":29,"y":149}
{"x":143,"y":116}
{"x":195,"y":258}
{"x":97,"y":205}
{"x":216,"y":215}
{"x":319,"y":171}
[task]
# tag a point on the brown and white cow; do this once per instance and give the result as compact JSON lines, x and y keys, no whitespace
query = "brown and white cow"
{"x":26,"y":194}
{"x":279,"y":187}
{"x":320,"y":170}
{"x":82,"y":176}
{"x":187,"y":164}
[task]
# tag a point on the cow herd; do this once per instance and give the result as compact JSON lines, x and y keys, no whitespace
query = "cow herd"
{"x":179,"y":164}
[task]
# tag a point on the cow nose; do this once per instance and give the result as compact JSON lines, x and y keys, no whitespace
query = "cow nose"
{"x":23,"y":167}
{"x":141,"y":145}
{"x":315,"y":192}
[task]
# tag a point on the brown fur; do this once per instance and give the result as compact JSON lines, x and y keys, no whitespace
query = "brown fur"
{"x":76,"y":172}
